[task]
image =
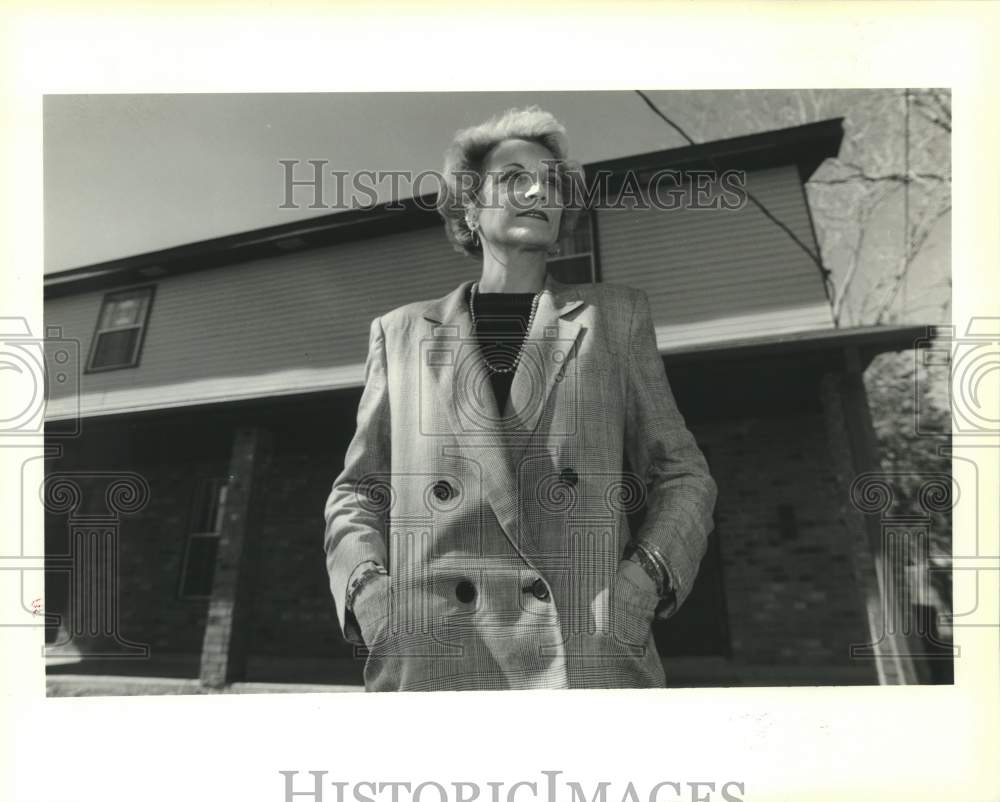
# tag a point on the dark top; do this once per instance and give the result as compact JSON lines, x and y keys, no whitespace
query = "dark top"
{"x":501,"y":323}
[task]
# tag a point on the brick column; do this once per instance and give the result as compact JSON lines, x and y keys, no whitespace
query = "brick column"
{"x":224,"y":649}
{"x":854,"y":451}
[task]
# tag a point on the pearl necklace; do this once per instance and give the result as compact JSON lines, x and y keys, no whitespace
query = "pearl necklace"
{"x":531,"y":318}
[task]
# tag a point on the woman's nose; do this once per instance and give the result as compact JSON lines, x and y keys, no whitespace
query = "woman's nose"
{"x":537,"y":188}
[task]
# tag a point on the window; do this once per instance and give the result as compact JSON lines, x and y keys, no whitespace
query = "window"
{"x":575,"y":263}
{"x":120,"y":329}
{"x":198,"y":566}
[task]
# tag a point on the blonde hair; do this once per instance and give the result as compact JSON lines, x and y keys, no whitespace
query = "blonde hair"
{"x":468,"y":151}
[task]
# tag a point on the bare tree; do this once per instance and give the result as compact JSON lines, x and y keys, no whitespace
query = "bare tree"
{"x":910,"y":181}
{"x":876,"y":209}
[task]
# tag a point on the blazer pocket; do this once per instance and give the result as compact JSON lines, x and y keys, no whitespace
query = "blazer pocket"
{"x":634,"y":607}
{"x":371,"y":609}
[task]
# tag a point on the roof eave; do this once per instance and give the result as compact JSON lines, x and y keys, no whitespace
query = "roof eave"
{"x":805,"y":146}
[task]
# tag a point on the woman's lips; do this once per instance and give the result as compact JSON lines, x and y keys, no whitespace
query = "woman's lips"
{"x":535,"y":213}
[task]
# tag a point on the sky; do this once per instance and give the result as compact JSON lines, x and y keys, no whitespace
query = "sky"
{"x":129,"y":174}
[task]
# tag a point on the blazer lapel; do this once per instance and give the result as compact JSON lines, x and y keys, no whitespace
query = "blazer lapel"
{"x":463,"y":388}
{"x":462,"y":383}
{"x":547,"y":348}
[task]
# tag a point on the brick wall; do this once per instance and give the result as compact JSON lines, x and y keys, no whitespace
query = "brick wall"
{"x":293,"y":607}
{"x":789,"y":601}
{"x":151,"y":540}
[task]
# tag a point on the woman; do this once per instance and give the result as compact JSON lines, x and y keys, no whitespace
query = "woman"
{"x":477,"y":537}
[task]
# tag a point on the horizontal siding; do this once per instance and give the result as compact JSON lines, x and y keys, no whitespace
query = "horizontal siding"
{"x":293,"y":323}
{"x":720,"y":274}
{"x":299,"y":322}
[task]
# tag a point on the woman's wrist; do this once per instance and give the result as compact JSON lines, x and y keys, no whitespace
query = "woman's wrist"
{"x":362,"y":576}
{"x":657,"y":556}
{"x":654,"y":568}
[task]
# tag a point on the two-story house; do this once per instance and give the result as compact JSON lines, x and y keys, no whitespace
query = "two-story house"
{"x":220,"y":382}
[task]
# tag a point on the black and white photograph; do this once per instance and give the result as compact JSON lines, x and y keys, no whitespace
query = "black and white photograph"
{"x":489,"y":391}
{"x":437,"y":402}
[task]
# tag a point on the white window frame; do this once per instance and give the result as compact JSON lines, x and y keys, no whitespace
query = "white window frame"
{"x":146,"y":293}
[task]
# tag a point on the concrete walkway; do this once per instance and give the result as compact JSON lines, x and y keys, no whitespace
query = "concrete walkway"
{"x":107,"y":685}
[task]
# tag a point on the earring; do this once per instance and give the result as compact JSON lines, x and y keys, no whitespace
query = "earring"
{"x":475,"y":235}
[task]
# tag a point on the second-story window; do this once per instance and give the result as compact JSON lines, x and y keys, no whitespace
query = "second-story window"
{"x":120,"y":329}
{"x":575,"y":263}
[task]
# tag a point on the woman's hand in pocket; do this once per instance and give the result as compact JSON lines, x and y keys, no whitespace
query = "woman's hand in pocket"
{"x":371,"y":608}
{"x":634,"y":597}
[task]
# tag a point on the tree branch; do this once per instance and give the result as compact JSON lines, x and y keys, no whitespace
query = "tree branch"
{"x":860,"y":175}
{"x":898,"y":278}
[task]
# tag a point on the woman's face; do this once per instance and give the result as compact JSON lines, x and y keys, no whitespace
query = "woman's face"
{"x":521,"y":200}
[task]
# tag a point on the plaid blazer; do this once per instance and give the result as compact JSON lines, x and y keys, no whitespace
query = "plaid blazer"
{"x":503,"y":535}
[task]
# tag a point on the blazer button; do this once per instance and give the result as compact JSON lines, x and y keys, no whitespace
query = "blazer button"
{"x":465,"y":591}
{"x":538,"y":589}
{"x":442,"y":490}
{"x":569,"y":476}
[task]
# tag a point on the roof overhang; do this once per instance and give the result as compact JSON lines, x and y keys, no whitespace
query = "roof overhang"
{"x":866,"y":342}
{"x":805,"y":146}
{"x":826,"y":346}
